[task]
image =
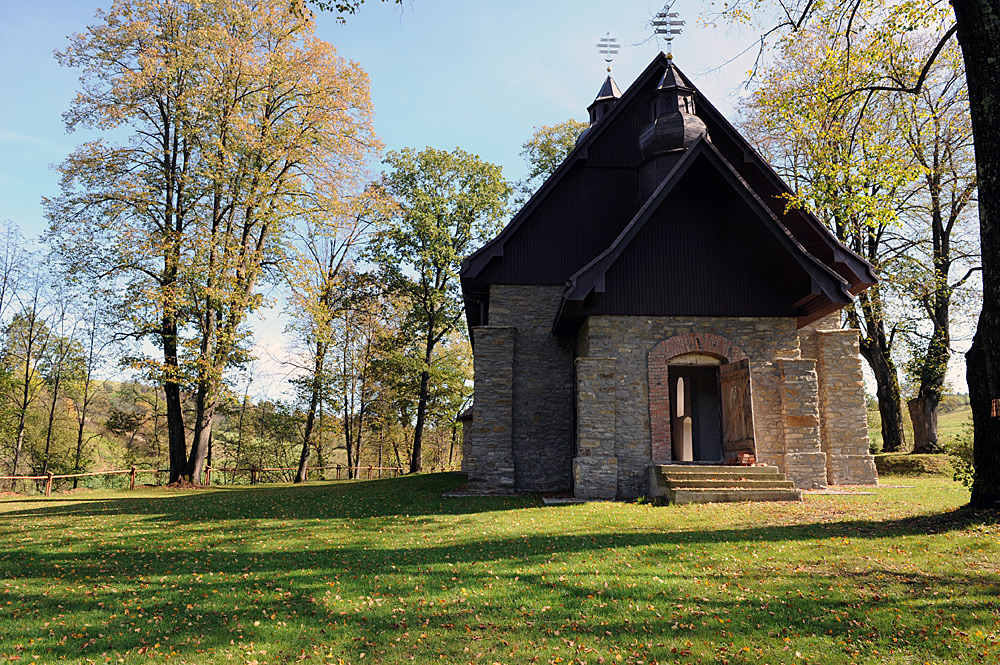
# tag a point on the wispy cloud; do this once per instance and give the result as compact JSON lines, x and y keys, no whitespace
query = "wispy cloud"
{"x":7,"y":181}
{"x":7,"y":135}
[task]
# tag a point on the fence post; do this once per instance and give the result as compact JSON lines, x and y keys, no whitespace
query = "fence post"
{"x":131,"y":478}
{"x":369,"y":472}
{"x":208,"y":475}
{"x":305,"y":476}
{"x":48,"y":484}
{"x":338,"y":472}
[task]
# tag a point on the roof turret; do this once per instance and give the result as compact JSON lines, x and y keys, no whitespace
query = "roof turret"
{"x":674,"y":125}
{"x":605,"y":100}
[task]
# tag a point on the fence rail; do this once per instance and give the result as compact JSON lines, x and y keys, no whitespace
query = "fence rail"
{"x":343,"y":473}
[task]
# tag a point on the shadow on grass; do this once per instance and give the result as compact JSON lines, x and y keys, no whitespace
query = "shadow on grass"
{"x":385,"y":596}
{"x":194,"y":587}
{"x":422,"y":495}
{"x":406,"y":495}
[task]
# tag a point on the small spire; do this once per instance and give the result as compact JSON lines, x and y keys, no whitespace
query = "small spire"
{"x":667,"y":24}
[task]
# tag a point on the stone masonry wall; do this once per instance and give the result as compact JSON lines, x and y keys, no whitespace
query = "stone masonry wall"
{"x":843,"y":414}
{"x":542,"y":389}
{"x":487,"y":455}
{"x":805,"y":462}
{"x":628,"y":340}
{"x":595,"y":468}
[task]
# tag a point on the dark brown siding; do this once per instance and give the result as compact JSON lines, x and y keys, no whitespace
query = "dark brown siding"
{"x":575,"y":223}
{"x":690,"y":260}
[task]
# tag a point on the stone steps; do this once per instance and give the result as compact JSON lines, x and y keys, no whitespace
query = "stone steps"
{"x":741,"y":483}
{"x":691,"y":483}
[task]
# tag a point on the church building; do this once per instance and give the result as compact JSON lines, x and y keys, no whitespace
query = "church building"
{"x":655,"y":306}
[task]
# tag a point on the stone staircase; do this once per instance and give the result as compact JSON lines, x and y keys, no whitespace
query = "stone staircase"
{"x":699,"y":483}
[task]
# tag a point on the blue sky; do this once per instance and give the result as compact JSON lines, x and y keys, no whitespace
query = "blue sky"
{"x":476,"y":74}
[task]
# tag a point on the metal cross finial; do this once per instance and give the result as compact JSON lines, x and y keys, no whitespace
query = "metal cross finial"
{"x":666,"y":23}
{"x":608,"y":47}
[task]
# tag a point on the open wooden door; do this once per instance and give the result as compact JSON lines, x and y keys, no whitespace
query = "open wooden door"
{"x":737,"y":409}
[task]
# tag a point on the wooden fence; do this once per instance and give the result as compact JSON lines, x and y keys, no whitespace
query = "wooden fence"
{"x":257,"y":474}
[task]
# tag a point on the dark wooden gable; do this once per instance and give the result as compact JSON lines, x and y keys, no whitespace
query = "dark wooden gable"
{"x":580,"y":209}
{"x":595,"y":194}
{"x":704,"y":245}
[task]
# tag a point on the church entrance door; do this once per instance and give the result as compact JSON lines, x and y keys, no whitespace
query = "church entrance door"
{"x":696,"y":414}
{"x":700,"y":403}
{"x":737,"y":409}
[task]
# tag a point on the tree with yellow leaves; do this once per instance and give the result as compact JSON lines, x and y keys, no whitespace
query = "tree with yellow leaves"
{"x":237,"y":124}
{"x":840,"y":156}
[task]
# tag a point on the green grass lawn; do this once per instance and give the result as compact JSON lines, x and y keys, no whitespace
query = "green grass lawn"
{"x":952,"y":424}
{"x":390,"y":571}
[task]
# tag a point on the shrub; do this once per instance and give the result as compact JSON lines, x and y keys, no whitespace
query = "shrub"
{"x":959,"y":450}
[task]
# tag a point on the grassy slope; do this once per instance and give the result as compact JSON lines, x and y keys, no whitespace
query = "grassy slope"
{"x":950,"y":425}
{"x":390,"y":571}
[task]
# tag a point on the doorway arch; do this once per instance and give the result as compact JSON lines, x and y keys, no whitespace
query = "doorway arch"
{"x":737,"y":418}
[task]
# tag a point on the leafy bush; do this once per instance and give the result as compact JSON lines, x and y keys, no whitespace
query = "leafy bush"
{"x":959,"y":450}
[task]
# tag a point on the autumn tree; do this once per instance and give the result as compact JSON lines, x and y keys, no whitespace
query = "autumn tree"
{"x":940,"y":217}
{"x":61,"y":364}
{"x":320,"y":276}
{"x":239,"y":124}
{"x":449,"y":203}
{"x":842,"y":159}
{"x":976,"y":24}
{"x":26,"y":339}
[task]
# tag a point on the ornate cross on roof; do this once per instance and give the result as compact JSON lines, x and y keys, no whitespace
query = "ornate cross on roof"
{"x":666,"y":23}
{"x":608,"y":47}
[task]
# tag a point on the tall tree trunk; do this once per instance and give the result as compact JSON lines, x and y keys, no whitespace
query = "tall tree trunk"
{"x":979,"y":35}
{"x":876,"y":350}
{"x":26,"y":397}
{"x":206,"y":402}
{"x":52,"y":418}
{"x":358,"y":429}
{"x":889,"y":400}
{"x":924,"y":407}
{"x":176,"y":444}
{"x":416,"y":463}
{"x":79,"y":445}
{"x":319,"y":439}
{"x":316,"y":387}
{"x":173,"y":224}
{"x":347,"y":436}
{"x":451,"y":449}
{"x":239,"y":432}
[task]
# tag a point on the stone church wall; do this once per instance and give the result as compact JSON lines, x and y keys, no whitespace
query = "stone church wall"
{"x":785,"y":398}
{"x":539,"y":429}
{"x":486,"y":442}
{"x":841,"y":391}
{"x":543,"y":424}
